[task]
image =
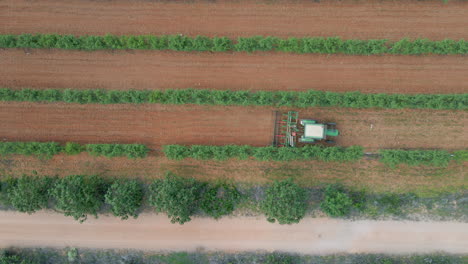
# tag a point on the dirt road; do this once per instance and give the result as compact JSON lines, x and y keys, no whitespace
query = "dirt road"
{"x":348,"y":19}
{"x":235,"y":71}
{"x":157,"y":125}
{"x":315,"y":236}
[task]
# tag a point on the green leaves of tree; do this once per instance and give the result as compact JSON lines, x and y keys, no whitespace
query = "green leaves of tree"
{"x":220,"y":199}
{"x":29,"y":194}
{"x":336,"y":203}
{"x":284,"y":202}
{"x":79,"y":195}
{"x":175,"y":196}
{"x":125,"y":198}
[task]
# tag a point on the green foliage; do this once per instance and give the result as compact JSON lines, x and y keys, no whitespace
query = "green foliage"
{"x":48,"y":149}
{"x":277,"y":258}
{"x":320,"y":45}
{"x":309,"y":98}
{"x":393,"y":157}
{"x":125,"y":198}
{"x":461,"y":155}
{"x":264,"y":153}
{"x":337,"y":202}
{"x":40,"y":149}
{"x":284,"y":202}
{"x":175,"y":196}
{"x":131,"y":151}
{"x":72,"y":148}
{"x":29,"y":194}
{"x":219,"y":200}
{"x":79,"y":195}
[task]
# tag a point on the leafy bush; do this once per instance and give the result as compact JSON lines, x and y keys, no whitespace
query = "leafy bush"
{"x":393,"y":157}
{"x":131,"y":151}
{"x":220,"y":200}
{"x":79,"y":195}
{"x":264,"y":153}
{"x":309,"y":98}
{"x":125,"y":198}
{"x":461,"y":155}
{"x":336,"y":203}
{"x":40,"y":149}
{"x":72,"y":148}
{"x":175,"y":196}
{"x":320,"y":45}
{"x":29,"y":194}
{"x":284,"y":202}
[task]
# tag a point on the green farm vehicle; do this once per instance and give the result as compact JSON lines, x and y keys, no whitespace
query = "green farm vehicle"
{"x":290,"y":131}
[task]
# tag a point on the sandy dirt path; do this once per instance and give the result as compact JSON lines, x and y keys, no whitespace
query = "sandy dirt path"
{"x":155,"y":232}
{"x":157,"y":125}
{"x":236,"y":71}
{"x":348,"y":19}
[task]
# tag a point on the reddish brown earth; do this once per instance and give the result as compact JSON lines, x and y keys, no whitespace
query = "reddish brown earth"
{"x":157,"y":125}
{"x":348,"y":19}
{"x":369,"y":174}
{"x":236,"y":71}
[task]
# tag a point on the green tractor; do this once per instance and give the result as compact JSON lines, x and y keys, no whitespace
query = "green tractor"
{"x":291,"y":131}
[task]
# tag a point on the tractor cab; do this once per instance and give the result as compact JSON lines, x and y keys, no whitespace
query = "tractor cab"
{"x":313,"y":131}
{"x":290,"y":130}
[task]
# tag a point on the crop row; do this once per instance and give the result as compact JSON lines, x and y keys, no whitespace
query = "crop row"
{"x":391,"y":157}
{"x":320,"y":45}
{"x":309,"y":98}
{"x":49,"y":149}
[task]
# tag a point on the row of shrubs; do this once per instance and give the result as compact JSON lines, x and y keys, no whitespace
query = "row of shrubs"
{"x":79,"y":196}
{"x":437,"y":158}
{"x":316,"y":152}
{"x":309,"y":98}
{"x":49,"y":149}
{"x":320,"y":45}
{"x":391,"y":157}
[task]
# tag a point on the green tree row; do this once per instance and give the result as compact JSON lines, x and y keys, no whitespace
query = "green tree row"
{"x":437,"y":158}
{"x":202,"y":152}
{"x":309,"y":98}
{"x":79,"y":196}
{"x":49,"y":149}
{"x":320,"y":45}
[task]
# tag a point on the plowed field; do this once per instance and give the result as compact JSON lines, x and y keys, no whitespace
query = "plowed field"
{"x":348,"y":19}
{"x":236,"y":71}
{"x":158,"y":125}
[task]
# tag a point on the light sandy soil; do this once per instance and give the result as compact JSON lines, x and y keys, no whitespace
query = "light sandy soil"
{"x":348,"y":19}
{"x":155,"y":232}
{"x":235,"y":71}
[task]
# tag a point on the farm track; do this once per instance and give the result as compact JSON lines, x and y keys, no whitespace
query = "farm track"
{"x":235,"y":71}
{"x":310,"y":236}
{"x":373,"y":19}
{"x":157,"y":125}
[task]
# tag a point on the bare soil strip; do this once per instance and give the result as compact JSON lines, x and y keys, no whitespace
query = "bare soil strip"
{"x":348,"y":19}
{"x":155,"y":232}
{"x":157,"y":125}
{"x":369,"y":174}
{"x":235,"y":71}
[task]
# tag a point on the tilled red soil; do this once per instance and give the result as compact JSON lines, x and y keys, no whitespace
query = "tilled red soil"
{"x":157,"y":125}
{"x":235,"y":71}
{"x":348,"y":19}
